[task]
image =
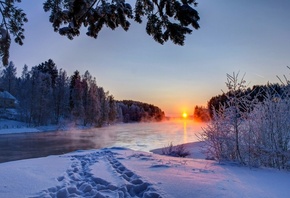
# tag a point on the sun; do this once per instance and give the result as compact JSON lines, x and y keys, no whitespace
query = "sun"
{"x":184,"y":115}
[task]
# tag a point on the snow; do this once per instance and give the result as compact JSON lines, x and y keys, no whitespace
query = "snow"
{"x":121,"y":172}
{"x":12,"y":126}
{"x":6,"y":94}
{"x":26,"y":177}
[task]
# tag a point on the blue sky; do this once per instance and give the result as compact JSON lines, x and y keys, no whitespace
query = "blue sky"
{"x":252,"y":37}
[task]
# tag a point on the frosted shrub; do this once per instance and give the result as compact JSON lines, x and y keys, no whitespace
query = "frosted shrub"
{"x":250,"y":132}
{"x":175,"y":151}
{"x":225,"y":134}
{"x":270,"y":122}
{"x":220,"y":144}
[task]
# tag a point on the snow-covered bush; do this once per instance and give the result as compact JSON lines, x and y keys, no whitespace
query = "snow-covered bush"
{"x":270,"y":122}
{"x":249,"y":131}
{"x":175,"y":151}
{"x":226,"y":132}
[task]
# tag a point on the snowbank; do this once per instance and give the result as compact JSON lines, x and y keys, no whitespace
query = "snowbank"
{"x":119,"y":172}
{"x":195,"y":149}
{"x":11,"y":126}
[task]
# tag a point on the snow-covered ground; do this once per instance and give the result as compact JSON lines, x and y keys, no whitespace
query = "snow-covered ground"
{"x":120,"y":172}
{"x":12,"y":127}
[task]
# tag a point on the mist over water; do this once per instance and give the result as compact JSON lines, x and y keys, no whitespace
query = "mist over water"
{"x":148,"y":136}
{"x":136,"y":136}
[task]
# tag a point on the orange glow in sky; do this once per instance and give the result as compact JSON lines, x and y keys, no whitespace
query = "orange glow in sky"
{"x":149,"y":72}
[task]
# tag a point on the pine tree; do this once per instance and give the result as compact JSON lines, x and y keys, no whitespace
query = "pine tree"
{"x":112,"y":109}
{"x":61,"y":96}
{"x":76,"y":97}
{"x":42,"y":98}
{"x":94,"y":111}
{"x":13,"y":19}
{"x":86,"y":80}
{"x":9,"y":79}
{"x":49,"y":67}
{"x":24,"y":95}
{"x":73,"y":80}
{"x":104,"y":107}
{"x":166,"y":20}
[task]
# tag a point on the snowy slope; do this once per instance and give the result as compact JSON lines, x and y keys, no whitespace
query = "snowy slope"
{"x":118,"y":172}
{"x":12,"y":127}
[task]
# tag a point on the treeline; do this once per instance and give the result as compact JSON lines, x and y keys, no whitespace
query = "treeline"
{"x":257,"y":93}
{"x":133,"y":111}
{"x":47,"y":95}
{"x":250,"y":126}
{"x":201,"y":114}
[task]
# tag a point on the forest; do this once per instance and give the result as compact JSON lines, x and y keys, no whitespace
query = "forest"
{"x":258,"y":93}
{"x":47,"y":95}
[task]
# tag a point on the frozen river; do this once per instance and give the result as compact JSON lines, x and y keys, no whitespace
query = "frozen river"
{"x":137,"y":136}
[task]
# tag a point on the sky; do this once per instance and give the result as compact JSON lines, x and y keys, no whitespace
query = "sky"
{"x":249,"y":37}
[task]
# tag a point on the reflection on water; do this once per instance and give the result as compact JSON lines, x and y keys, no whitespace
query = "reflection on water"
{"x":184,"y":132}
{"x":137,"y":136}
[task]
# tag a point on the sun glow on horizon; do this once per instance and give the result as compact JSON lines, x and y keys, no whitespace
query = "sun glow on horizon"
{"x":184,"y":115}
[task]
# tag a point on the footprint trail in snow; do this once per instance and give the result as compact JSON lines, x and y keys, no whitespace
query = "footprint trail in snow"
{"x":81,"y":179}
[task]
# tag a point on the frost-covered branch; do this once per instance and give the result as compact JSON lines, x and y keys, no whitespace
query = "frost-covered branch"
{"x":251,"y":127}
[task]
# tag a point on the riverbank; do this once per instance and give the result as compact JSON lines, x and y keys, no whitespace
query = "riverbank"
{"x":15,"y":127}
{"x":122,"y":172}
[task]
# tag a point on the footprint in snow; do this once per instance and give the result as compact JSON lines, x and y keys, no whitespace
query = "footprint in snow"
{"x":78,"y":181}
{"x":202,"y":171}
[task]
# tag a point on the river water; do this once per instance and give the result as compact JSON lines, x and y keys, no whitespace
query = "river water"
{"x":137,"y":136}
